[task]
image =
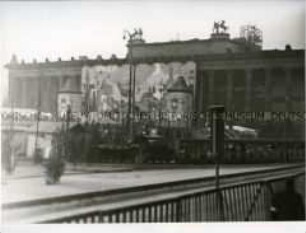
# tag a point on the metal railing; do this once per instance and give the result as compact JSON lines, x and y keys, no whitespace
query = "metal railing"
{"x":248,"y":201}
{"x":246,"y":151}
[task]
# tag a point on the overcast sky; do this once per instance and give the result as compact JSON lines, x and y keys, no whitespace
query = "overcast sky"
{"x":72,"y":28}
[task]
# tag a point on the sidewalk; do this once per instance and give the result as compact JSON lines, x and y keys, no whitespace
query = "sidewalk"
{"x":28,"y":169}
{"x":18,"y":190}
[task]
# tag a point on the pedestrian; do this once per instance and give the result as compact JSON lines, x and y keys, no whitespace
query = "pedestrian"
{"x":287,"y":205}
{"x":54,"y":162}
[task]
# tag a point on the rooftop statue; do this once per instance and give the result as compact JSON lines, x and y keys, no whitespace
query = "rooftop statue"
{"x":135,"y":35}
{"x":218,"y":26}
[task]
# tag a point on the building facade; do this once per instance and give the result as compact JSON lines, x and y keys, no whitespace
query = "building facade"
{"x":258,"y":81}
{"x":234,"y":72}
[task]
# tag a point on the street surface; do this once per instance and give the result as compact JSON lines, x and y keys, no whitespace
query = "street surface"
{"x":31,"y":186}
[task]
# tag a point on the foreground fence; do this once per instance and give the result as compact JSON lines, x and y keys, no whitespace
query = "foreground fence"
{"x":199,"y":151}
{"x":245,"y":151}
{"x":240,"y":202}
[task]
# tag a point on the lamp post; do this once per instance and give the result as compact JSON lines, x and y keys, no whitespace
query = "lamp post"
{"x":11,"y":160}
{"x":67,"y":138}
{"x":131,"y":37}
{"x":36,"y":155}
{"x":217,"y":137}
{"x":87,"y":93}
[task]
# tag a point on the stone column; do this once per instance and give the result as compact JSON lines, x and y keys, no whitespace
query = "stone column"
{"x":24,"y":92}
{"x":61,"y":83}
{"x":288,"y":88}
{"x":19,"y":93}
{"x":248,"y":90}
{"x":56,"y":89}
{"x":31,"y":93}
{"x":41,"y":92}
{"x":229,"y":94}
{"x":13,"y":87}
{"x":268,"y":80}
{"x":197,"y":92}
{"x":48,"y":94}
{"x":53,"y":93}
{"x":36,"y":92}
{"x":211,"y":87}
{"x":17,"y":90}
{"x":200,"y":91}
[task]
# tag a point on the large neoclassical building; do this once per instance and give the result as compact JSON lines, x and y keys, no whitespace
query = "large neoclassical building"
{"x":235,"y":72}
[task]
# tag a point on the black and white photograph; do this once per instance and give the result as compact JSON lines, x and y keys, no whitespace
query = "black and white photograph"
{"x":141,"y":112}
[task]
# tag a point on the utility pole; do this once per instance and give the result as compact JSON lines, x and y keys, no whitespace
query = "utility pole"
{"x":10,"y":155}
{"x":87,"y":97}
{"x":131,"y":37}
{"x":67,"y":138}
{"x":133,"y":95}
{"x":217,"y":137}
{"x":37,"y":119}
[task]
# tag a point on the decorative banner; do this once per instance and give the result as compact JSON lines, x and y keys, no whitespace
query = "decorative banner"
{"x":106,"y":88}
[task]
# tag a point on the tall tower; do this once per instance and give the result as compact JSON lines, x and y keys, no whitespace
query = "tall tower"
{"x":178,"y":100}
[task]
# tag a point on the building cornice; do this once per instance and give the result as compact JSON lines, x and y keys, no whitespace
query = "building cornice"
{"x":182,"y":42}
{"x":65,"y":64}
{"x":264,"y":54}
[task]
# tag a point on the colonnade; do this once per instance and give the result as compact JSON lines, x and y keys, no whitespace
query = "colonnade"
{"x":247,"y":89}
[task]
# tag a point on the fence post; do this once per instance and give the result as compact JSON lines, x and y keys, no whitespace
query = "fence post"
{"x":178,"y":210}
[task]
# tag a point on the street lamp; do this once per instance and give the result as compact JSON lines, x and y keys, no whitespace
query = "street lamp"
{"x":10,"y":161}
{"x":217,"y":138}
{"x":36,"y":152}
{"x":131,"y":38}
{"x":67,"y":138}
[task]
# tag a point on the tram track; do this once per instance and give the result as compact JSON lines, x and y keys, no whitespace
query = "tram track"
{"x":43,"y":210}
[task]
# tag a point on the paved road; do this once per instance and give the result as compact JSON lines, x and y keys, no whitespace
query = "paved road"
{"x":34,"y":187}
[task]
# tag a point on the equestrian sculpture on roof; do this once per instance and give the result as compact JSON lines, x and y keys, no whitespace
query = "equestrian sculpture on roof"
{"x":218,"y":26}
